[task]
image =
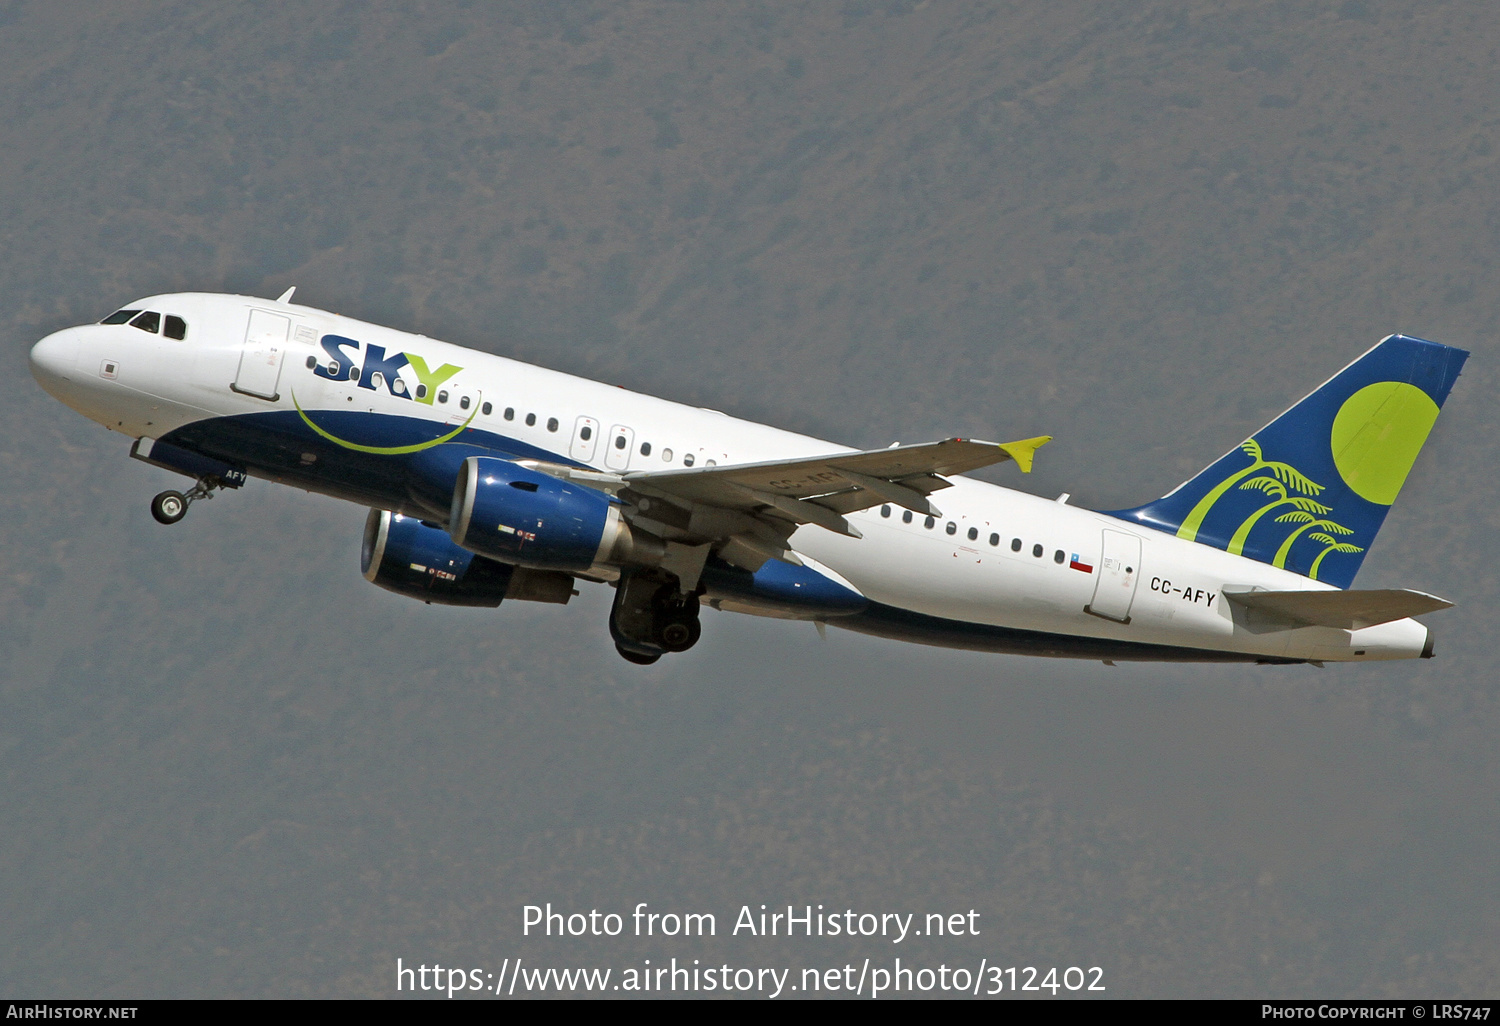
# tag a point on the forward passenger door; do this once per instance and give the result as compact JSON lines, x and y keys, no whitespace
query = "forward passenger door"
{"x":260,"y":359}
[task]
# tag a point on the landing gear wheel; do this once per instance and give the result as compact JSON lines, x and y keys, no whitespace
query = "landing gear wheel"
{"x":681,"y":633}
{"x":675,"y":623}
{"x":169,"y":507}
{"x":636,"y":657}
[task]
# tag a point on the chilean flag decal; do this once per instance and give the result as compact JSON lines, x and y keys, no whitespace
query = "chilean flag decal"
{"x":1078,"y":564}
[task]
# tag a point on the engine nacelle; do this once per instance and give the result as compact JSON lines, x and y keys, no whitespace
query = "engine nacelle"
{"x":516,"y":515}
{"x":406,"y":556}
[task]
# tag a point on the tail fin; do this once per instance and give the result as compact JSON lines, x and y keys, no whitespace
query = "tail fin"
{"x":1309,"y":490}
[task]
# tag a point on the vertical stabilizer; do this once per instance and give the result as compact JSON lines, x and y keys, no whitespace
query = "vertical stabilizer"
{"x":1308,"y":491}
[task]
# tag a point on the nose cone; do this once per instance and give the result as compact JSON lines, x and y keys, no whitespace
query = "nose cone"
{"x":52,"y":361}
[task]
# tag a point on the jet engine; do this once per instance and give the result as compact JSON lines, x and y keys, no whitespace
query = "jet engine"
{"x":418,"y":560}
{"x":516,"y":515}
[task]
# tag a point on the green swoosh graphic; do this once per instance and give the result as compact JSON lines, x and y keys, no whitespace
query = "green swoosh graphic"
{"x":382,"y":450}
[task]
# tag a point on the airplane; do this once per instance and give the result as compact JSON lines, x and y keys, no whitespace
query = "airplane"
{"x":490,"y":479}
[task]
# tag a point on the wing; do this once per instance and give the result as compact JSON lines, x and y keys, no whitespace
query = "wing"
{"x":748,"y":511}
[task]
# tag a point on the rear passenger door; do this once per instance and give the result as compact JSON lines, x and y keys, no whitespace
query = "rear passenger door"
{"x":1119,"y":570}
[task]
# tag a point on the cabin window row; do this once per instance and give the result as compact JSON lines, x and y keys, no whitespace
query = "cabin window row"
{"x":586,"y":433}
{"x":488,"y":409}
{"x":973,"y":535}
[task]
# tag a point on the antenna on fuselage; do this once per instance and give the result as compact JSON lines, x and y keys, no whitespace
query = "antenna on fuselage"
{"x":286,"y":297}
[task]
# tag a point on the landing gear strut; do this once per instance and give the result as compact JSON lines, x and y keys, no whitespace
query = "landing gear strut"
{"x":169,"y":507}
{"x":652,"y":617}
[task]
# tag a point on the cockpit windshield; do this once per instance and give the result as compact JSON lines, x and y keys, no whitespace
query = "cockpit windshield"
{"x":150,"y":321}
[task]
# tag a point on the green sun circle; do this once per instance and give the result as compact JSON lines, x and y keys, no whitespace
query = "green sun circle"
{"x":1376,"y":437}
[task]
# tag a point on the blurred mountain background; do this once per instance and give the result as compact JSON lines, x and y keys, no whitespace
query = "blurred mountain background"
{"x":230,"y":767}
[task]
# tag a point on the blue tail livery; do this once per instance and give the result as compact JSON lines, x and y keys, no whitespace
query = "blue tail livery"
{"x":1308,"y":491}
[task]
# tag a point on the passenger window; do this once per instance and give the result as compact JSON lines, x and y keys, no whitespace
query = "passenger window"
{"x":906,"y":516}
{"x":354,"y":376}
{"x":687,"y":459}
{"x":442,"y":396}
{"x":1036,"y":550}
{"x":487,"y":409}
{"x":176,"y":328}
{"x":711,"y":463}
{"x":1015,"y":545}
{"x":620,"y":441}
{"x":928,"y":523}
{"x":531,"y":420}
{"x":585,"y":433}
{"x":973,"y":533}
{"x":119,"y":317}
{"x":885,"y":511}
{"x":1057,"y":557}
{"x":551,"y":423}
{"x":376,"y":379}
{"x":463,"y":404}
{"x":994,"y":539}
{"x":645,"y":448}
{"x":952,"y":527}
{"x":312,"y":361}
{"x":421,"y":389}
{"x":510,"y":413}
{"x":148,"y":321}
{"x":666,"y":455}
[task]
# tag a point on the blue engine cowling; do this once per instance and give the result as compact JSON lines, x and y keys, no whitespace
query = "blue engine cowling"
{"x":418,"y":560}
{"x":519,"y":516}
{"x":404,"y":555}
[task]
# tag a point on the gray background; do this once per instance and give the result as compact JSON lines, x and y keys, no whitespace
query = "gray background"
{"x":229,"y":766}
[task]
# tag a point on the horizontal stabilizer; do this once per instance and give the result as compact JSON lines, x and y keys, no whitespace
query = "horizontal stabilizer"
{"x":1347,"y":610}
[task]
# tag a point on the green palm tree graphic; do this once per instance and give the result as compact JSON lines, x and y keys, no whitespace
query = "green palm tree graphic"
{"x":1275,"y":488}
{"x":1309,"y":523}
{"x":1333,"y":545}
{"x":1285,"y":473}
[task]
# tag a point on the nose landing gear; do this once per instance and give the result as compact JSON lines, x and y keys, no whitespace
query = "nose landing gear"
{"x":169,"y":507}
{"x":652,"y":617}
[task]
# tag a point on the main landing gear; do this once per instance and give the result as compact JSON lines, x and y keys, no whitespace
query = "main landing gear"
{"x":169,"y":507}
{"x":652,"y":617}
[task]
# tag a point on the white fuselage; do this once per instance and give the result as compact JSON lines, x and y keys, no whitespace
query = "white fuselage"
{"x":1045,"y":571}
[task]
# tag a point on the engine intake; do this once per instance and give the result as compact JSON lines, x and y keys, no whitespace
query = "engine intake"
{"x":411,"y":558}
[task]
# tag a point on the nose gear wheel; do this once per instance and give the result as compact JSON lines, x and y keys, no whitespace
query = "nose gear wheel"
{"x":170,"y":506}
